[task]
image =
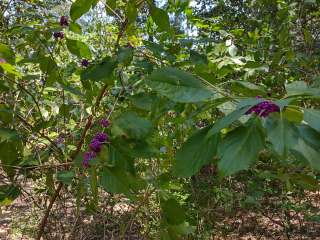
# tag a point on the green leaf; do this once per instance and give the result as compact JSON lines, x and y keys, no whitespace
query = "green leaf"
{"x":125,"y":56}
{"x":178,"y":85}
{"x":117,"y":180}
{"x":8,"y":68}
{"x":75,"y":27}
{"x":7,"y":53}
{"x":8,"y":135}
{"x":160,"y":17}
{"x":247,"y":88}
{"x":100,"y":72}
{"x":240,"y":148}
{"x":282,"y":134}
{"x":78,"y":48}
{"x":312,"y":117}
{"x":65,"y":176}
{"x":145,"y":101}
{"x":114,"y":180}
{"x":292,"y":114}
{"x":173,"y":212}
{"x":230,"y":118}
{"x":79,"y":7}
{"x":8,"y":193}
{"x":195,"y":153}
{"x":129,"y":124}
{"x":10,"y":155}
{"x":198,"y":58}
{"x":311,"y":154}
{"x":301,"y":88}
{"x":6,"y":116}
{"x":309,"y":135}
{"x":131,"y":11}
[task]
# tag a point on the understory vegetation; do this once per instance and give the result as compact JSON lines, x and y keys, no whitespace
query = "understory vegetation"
{"x":159,"y":119}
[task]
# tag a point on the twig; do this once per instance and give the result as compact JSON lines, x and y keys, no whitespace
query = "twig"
{"x":114,"y":12}
{"x":41,"y":134}
{"x":144,"y":200}
{"x":45,"y":166}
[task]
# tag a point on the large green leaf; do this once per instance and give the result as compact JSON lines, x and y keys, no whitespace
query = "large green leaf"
{"x":80,"y":7}
{"x":131,"y":125}
{"x":195,"y":153}
{"x":78,"y":48}
{"x":282,"y":134}
{"x":179,"y":85}
{"x":312,"y":117}
{"x":100,"y":72}
{"x":173,"y":212}
{"x":310,"y":136}
{"x":311,"y":154}
{"x":160,"y":17}
{"x":240,"y":148}
{"x":308,"y":145}
{"x":117,"y":180}
{"x":247,"y":88}
{"x":301,"y":88}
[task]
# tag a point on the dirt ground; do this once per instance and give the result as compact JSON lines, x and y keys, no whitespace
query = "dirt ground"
{"x":19,"y":220}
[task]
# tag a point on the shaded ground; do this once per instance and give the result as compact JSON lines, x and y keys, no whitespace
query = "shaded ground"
{"x":119,"y":219}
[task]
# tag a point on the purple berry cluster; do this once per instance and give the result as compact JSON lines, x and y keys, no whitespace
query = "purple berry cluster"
{"x":84,"y":63}
{"x":104,"y":122}
{"x":95,"y":147}
{"x":64,"y":21}
{"x":96,"y":144}
{"x":264,"y":108}
{"x":58,"y":35}
{"x":2,"y":60}
{"x":87,"y":156}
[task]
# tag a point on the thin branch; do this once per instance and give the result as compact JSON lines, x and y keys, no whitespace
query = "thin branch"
{"x":114,"y":12}
{"x":41,"y":134}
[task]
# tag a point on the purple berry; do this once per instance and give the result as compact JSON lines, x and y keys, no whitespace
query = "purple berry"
{"x":58,"y":35}
{"x":2,"y":60}
{"x":264,"y":108}
{"x":64,"y":21}
{"x":101,"y":137}
{"x":59,"y":140}
{"x":104,"y":122}
{"x":87,"y":156}
{"x":85,"y":63}
{"x":95,"y":145}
